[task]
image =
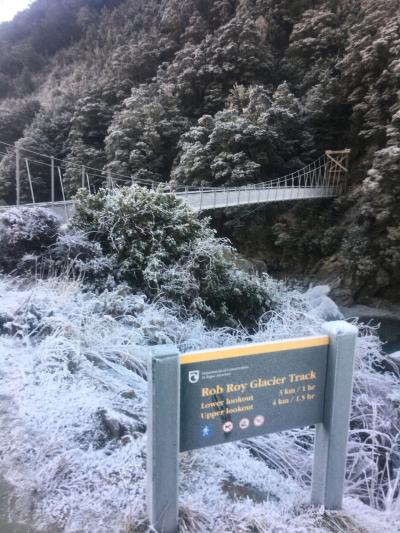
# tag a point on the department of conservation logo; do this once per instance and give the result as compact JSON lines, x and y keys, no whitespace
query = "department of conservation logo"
{"x":194,"y":376}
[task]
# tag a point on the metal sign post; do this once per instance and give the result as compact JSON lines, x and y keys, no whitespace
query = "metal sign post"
{"x":215,"y":396}
{"x":163,"y":439}
{"x":331,"y":436}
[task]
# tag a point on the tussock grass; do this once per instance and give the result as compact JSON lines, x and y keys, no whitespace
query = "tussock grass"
{"x":73,"y":413}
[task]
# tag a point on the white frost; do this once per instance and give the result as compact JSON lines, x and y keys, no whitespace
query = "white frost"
{"x":322,"y":306}
{"x":73,"y":413}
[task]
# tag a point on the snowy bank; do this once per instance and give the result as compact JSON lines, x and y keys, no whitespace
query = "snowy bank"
{"x":73,"y":406}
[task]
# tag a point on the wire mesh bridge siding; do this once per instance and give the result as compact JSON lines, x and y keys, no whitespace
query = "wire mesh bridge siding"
{"x":323,"y":178}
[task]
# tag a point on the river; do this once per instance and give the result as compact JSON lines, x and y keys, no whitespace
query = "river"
{"x":388,"y":322}
{"x":389,"y":332}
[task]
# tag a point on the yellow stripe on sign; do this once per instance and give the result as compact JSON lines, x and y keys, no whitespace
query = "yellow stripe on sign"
{"x":253,"y":349}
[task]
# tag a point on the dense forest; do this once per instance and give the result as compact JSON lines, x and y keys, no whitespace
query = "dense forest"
{"x":196,"y":93}
{"x":214,"y":92}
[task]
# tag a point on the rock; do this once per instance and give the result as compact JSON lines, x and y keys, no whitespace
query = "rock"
{"x":241,"y":491}
{"x":250,"y":266}
{"x":111,"y":425}
{"x":392,"y":363}
{"x":317,"y":292}
{"x":5,"y":321}
{"x":119,"y":424}
{"x":129,"y":394}
{"x":395,"y":356}
{"x":321,"y":305}
{"x":341,"y":287}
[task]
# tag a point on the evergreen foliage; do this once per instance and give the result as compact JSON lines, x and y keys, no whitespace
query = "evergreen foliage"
{"x":213,"y":92}
{"x":255,"y":136}
{"x":160,"y":247}
{"x":25,"y":231}
{"x":142,"y":139}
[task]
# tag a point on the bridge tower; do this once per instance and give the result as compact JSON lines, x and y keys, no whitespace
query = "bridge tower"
{"x":337,"y":168}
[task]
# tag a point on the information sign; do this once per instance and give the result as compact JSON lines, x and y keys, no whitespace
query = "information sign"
{"x":216,"y":396}
{"x":239,"y":392}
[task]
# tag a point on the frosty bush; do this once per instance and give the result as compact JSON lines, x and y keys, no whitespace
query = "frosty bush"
{"x":208,"y":283}
{"x":25,"y":231}
{"x":75,"y":255}
{"x":162,"y":248}
{"x":32,"y":242}
{"x":147,"y":239}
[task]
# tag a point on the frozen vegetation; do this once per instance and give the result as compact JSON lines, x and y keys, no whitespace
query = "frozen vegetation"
{"x":213,"y":93}
{"x":81,"y":307}
{"x":73,"y":402}
{"x":217,"y":92}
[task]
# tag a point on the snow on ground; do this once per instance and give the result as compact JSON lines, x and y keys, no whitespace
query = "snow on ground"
{"x":73,"y":405}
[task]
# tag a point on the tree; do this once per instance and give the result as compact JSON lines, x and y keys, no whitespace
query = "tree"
{"x":257,"y":136}
{"x":85,"y":143}
{"x":204,"y":74}
{"x":142,"y":140}
{"x":43,"y":138}
{"x":15,"y":116}
{"x":315,"y":43}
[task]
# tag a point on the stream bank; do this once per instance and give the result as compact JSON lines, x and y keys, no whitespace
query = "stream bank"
{"x":385,"y":319}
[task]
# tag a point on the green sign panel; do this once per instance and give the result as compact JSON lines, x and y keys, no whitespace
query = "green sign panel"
{"x":215,"y":396}
{"x":240,"y":392}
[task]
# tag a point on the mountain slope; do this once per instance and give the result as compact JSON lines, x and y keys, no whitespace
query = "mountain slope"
{"x":219,"y":92}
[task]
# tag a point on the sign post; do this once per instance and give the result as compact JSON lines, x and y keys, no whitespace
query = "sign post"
{"x":216,"y":396}
{"x":331,"y":435}
{"x":163,"y":439}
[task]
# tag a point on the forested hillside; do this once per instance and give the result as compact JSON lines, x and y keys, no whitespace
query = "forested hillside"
{"x":220,"y":92}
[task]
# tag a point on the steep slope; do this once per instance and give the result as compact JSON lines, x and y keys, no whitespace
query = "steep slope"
{"x":216,"y":92}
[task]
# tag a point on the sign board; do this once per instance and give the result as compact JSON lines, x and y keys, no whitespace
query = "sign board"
{"x":216,"y":396}
{"x":240,"y":392}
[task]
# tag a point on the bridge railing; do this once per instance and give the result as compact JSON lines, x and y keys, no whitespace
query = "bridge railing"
{"x":328,"y":174}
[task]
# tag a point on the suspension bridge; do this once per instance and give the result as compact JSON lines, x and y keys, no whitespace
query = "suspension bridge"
{"x":323,"y":178}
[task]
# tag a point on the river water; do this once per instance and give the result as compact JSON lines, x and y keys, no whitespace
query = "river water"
{"x":388,"y":327}
{"x":389,"y":332}
{"x":387,"y":321}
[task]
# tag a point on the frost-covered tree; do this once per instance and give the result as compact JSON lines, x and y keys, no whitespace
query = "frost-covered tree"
{"x":370,"y":70}
{"x":254,"y":138}
{"x":43,"y":138}
{"x":370,"y":249}
{"x":86,"y":160}
{"x":142,"y":139}
{"x":15,"y":116}
{"x":315,"y":43}
{"x":204,"y":74}
{"x":85,"y":143}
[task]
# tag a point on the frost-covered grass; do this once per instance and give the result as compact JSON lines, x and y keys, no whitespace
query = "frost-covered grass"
{"x":73,"y":406}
